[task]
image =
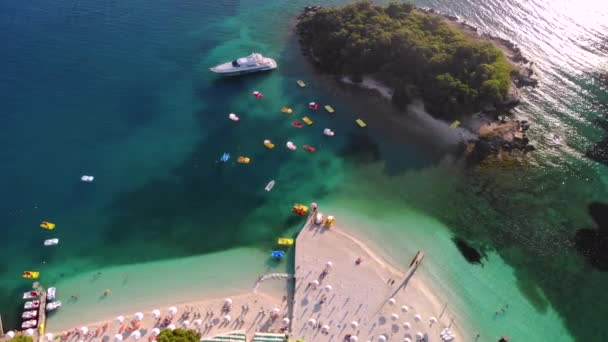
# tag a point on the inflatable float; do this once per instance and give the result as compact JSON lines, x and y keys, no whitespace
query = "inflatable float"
{"x":309,"y":148}
{"x":297,"y":124}
{"x":307,"y":120}
{"x":243,"y":160}
{"x":257,"y":95}
{"x":47,"y":225}
{"x":313,"y":105}
{"x":285,"y":241}
{"x":301,"y":83}
{"x":329,"y":132}
{"x":299,"y":209}
{"x":87,"y":178}
{"x":277,"y":254}
{"x":290,"y":145}
{"x":287,"y":110}
{"x":329,"y":108}
{"x":233,"y":117}
{"x":268,"y":144}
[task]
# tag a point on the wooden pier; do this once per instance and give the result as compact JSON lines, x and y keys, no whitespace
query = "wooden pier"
{"x":39,"y":335}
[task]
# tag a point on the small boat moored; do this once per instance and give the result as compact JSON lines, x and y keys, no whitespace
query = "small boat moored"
{"x":309,"y":148}
{"x":299,"y":209}
{"x":233,"y":117}
{"x":29,"y":324}
{"x":53,"y":306}
{"x":34,"y":304}
{"x":285,"y":241}
{"x":224,"y":158}
{"x":30,"y":295}
{"x":29,"y":314}
{"x":329,"y":109}
{"x":361,"y":123}
{"x":50,"y":293}
{"x":301,"y":83}
{"x":270,"y":185}
{"x":307,"y":120}
{"x":287,"y":110}
{"x":51,"y":242}
{"x":297,"y":124}
{"x":257,"y":95}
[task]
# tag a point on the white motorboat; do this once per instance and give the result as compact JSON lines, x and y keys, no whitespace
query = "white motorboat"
{"x":87,"y":178}
{"x":52,"y":306}
{"x":245,"y":65}
{"x":269,"y":186}
{"x":50,"y":294}
{"x":290,"y":145}
{"x":32,"y":323}
{"x":51,"y":242}
{"x":30,"y":295}
{"x":31,"y":305}
{"x":233,"y":117}
{"x":29,"y":314}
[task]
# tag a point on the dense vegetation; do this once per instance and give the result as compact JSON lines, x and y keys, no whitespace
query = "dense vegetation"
{"x":21,"y":338}
{"x":418,"y":54}
{"x":178,"y":335}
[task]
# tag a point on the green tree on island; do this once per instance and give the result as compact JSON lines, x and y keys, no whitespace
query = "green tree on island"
{"x":21,"y":338}
{"x":178,"y":335}
{"x":418,"y":54}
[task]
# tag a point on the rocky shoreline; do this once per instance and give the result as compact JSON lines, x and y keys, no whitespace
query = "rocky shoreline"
{"x":497,"y":134}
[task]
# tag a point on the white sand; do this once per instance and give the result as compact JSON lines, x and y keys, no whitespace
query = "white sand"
{"x":359,"y":292}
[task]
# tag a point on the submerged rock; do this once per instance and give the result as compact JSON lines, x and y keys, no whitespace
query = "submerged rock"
{"x":593,"y":243}
{"x":469,"y":252}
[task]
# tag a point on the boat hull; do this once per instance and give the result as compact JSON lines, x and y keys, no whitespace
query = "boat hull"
{"x":240,"y":72}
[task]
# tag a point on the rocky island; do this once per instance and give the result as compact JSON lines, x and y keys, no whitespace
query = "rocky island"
{"x":421,"y":54}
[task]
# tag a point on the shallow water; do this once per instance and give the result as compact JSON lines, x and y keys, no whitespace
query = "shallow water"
{"x":120,"y":90}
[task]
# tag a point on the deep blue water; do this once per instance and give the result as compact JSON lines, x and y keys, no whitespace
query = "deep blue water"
{"x":121,"y":90}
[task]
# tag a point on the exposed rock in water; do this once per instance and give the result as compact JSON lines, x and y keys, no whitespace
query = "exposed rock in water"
{"x":469,"y":252}
{"x":593,"y":243}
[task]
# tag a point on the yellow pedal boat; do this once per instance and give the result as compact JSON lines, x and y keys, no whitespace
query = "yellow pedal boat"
{"x":285,"y":241}
{"x":243,"y":160}
{"x":47,"y":225}
{"x":307,"y":120}
{"x":268,"y":144}
{"x":287,"y":110}
{"x":31,"y":274}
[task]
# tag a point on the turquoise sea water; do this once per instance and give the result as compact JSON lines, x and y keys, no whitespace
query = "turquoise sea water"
{"x":121,"y":90}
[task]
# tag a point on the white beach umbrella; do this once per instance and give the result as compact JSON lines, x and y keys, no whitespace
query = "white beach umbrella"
{"x":433,"y":320}
{"x":325,"y":328}
{"x":417,"y":317}
{"x":155,"y":332}
{"x":394,"y":317}
{"x":227,"y":318}
{"x":186,"y":323}
{"x":285,"y":321}
{"x":29,"y":332}
{"x":405,"y":308}
{"x":354,"y":324}
{"x":406,"y":325}
{"x":407,"y":339}
{"x":315,"y":284}
{"x":392,"y":301}
{"x":312,"y":321}
{"x":276,"y":310}
{"x":171,"y":326}
{"x":419,"y":335}
{"x":197,"y":322}
{"x":118,"y":337}
{"x":49,"y":336}
{"x":328,"y":288}
{"x":382,"y":338}
{"x":329,"y":264}
{"x":84,"y":330}
{"x":353,"y":339}
{"x":136,"y":335}
{"x":10,"y":334}
{"x":139,"y":316}
{"x":120,"y":319}
{"x":228,"y":301}
{"x":156,"y":313}
{"x":172,"y":310}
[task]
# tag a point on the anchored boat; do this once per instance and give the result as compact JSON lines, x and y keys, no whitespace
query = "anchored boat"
{"x":245,"y":65}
